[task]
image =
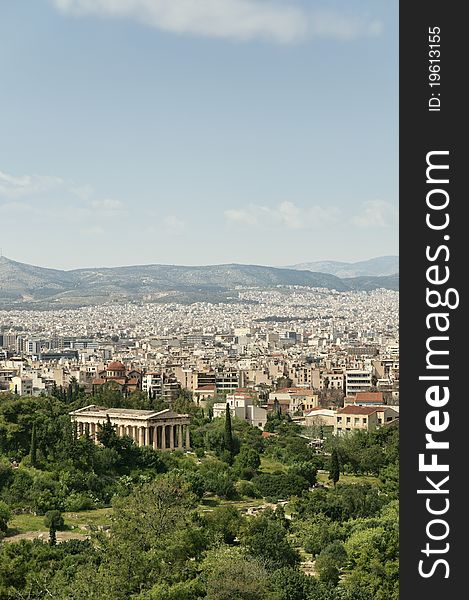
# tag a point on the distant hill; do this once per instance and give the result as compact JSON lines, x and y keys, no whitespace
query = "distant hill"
{"x":31,"y":286}
{"x":375,"y":267}
{"x":368,"y":283}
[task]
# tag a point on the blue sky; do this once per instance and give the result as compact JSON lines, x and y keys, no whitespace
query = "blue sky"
{"x":198,"y":131}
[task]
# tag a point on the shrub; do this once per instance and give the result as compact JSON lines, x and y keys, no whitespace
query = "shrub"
{"x":54,"y":518}
{"x":246,"y":488}
{"x":5,"y":516}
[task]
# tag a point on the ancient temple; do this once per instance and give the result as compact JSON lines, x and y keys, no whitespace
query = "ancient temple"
{"x":161,"y":430}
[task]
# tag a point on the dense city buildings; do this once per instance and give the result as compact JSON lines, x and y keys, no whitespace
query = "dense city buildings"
{"x":289,"y":349}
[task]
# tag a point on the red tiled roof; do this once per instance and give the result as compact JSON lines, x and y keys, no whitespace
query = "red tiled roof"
{"x":296,"y":391}
{"x":116,"y":366}
{"x":357,"y":410}
{"x":376,"y":397}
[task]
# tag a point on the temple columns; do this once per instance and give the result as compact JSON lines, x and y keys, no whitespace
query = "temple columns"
{"x":179,"y":430}
{"x":171,"y":437}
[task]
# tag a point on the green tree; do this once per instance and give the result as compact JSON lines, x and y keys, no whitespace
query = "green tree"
{"x":265,"y":538}
{"x":230,"y":574}
{"x":5,"y":516}
{"x":55,"y":518}
{"x":155,"y":526}
{"x":316,"y":532}
{"x":33,"y":450}
{"x":52,"y":534}
{"x":247,"y":462}
{"x":225,"y":522}
{"x":229,"y":433}
{"x":292,"y":584}
{"x":334,"y":471}
{"x":107,"y":433}
{"x":327,"y":568}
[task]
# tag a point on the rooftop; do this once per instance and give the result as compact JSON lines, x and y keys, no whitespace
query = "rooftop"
{"x":130,"y":413}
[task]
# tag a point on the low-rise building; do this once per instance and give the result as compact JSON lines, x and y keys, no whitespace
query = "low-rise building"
{"x":320,"y":417}
{"x":367,"y":418}
{"x":242,"y":406}
{"x":21,"y":385}
{"x":293,"y":400}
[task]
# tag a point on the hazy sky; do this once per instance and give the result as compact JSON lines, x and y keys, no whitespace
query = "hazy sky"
{"x":198,"y":131}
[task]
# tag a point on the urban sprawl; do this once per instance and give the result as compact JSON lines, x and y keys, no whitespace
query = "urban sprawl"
{"x":322,"y":357}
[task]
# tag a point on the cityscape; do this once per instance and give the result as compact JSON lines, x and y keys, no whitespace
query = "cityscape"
{"x":256,"y":403}
{"x":199,"y":300}
{"x":298,"y":338}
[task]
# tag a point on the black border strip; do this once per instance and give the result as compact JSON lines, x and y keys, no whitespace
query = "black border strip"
{"x":432,"y":119}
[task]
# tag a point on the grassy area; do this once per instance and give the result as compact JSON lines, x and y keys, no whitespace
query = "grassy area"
{"x":243,"y":504}
{"x":27,"y":522}
{"x":324,"y":479}
{"x":214,"y":501}
{"x":269,"y":465}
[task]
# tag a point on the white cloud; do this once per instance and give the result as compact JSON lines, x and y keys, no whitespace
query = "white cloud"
{"x":108,"y":205}
{"x":376,"y":213}
{"x":285,"y":215}
{"x":244,"y":216}
{"x":12,"y":186}
{"x":277,"y":20}
{"x":64,"y":197}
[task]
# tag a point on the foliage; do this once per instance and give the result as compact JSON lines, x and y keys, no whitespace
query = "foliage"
{"x":54,"y":518}
{"x":247,"y":462}
{"x":317,"y":531}
{"x":334,"y":470}
{"x":280,"y":485}
{"x":225,"y":522}
{"x":231,"y":574}
{"x":342,"y":502}
{"x":165,"y":542}
{"x":5,"y":516}
{"x":265,"y":538}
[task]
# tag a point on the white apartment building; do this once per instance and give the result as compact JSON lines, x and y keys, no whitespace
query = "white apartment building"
{"x":241,"y":406}
{"x":22,"y":386}
{"x":357,"y":380}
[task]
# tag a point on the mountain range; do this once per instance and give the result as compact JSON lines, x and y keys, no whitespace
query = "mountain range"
{"x":28,"y":286}
{"x":374,"y":267}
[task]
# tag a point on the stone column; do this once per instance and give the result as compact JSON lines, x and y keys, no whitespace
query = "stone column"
{"x":171,"y":437}
{"x":79,"y":428}
{"x":155,"y":437}
{"x":179,"y":429}
{"x":141,"y":441}
{"x":188,"y":438}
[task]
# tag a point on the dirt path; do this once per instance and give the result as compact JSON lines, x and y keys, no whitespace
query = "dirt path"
{"x":62,"y":536}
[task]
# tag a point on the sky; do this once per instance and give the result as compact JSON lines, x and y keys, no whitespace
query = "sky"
{"x":198,"y":131}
